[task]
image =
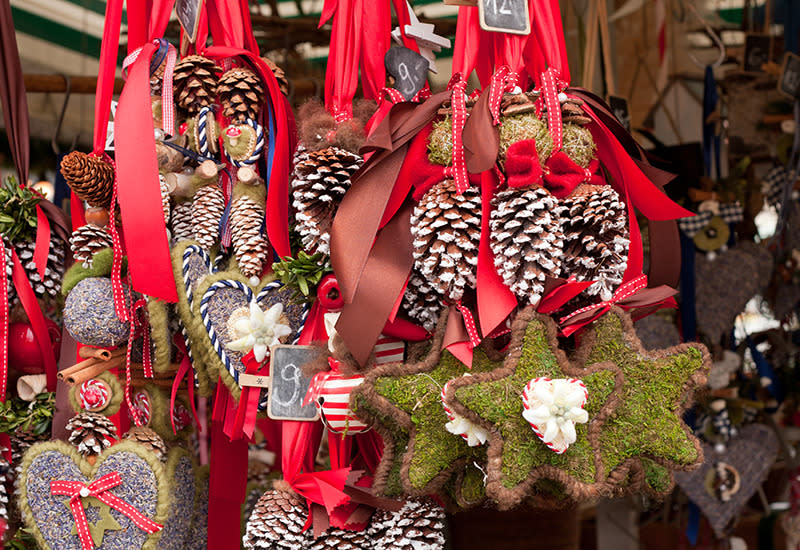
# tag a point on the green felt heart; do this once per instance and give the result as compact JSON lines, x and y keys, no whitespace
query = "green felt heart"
{"x":144,"y":486}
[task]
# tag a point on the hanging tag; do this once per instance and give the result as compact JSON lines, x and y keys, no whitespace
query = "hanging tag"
{"x":460,"y":2}
{"x":619,"y":106}
{"x":789,"y":82}
{"x":110,"y":128}
{"x":509,"y":16}
{"x":757,"y":50}
{"x":288,"y":386}
{"x":188,"y":12}
{"x":409,"y":69}
{"x":254,"y":380}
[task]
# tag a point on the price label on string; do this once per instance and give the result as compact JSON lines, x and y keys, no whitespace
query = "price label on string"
{"x":288,"y":386}
{"x":110,"y":128}
{"x":188,"y":12}
{"x":619,"y":106}
{"x":509,"y":16}
{"x":409,"y":70}
{"x":789,"y":83}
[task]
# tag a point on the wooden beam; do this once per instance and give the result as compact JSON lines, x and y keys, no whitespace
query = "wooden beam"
{"x":56,"y":83}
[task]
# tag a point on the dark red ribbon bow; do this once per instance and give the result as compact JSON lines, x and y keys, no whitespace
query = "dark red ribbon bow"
{"x":560,"y":174}
{"x":100,"y":489}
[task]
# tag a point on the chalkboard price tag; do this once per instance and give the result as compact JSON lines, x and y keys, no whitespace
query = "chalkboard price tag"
{"x":288,"y":386}
{"x":757,"y":50}
{"x":409,"y":69}
{"x":789,"y":83}
{"x":509,"y":16}
{"x":619,"y":106}
{"x":188,"y":12}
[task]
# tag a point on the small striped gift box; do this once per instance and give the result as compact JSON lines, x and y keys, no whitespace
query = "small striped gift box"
{"x":389,"y":350}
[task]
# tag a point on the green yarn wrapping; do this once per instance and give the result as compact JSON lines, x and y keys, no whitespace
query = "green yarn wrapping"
{"x":101,"y":267}
{"x":114,"y":399}
{"x":520,"y":128}
{"x":158,"y":314}
{"x":440,"y":142}
{"x":578,"y":144}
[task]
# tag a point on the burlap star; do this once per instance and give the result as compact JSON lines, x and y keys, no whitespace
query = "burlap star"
{"x":105,"y":521}
{"x":519,"y":462}
{"x":403,"y":402}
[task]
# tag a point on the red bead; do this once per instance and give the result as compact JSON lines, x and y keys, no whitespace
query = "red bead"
{"x":328,"y":293}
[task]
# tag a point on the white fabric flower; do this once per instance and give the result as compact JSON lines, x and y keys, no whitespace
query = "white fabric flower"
{"x":259,"y":331}
{"x":330,"y":319}
{"x":553,"y":407}
{"x":472,"y":433}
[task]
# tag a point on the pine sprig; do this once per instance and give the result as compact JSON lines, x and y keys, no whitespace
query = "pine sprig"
{"x":303,"y":273}
{"x":35,"y":416}
{"x":17,"y":211}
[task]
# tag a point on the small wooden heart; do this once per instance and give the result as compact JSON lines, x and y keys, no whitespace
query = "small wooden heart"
{"x":144,"y":487}
{"x":726,"y":481}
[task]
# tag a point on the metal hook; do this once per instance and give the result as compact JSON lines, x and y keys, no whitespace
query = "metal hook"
{"x":57,"y":133}
{"x":714,"y":37}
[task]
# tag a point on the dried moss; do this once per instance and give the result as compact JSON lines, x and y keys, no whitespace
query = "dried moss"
{"x":521,"y":127}
{"x":656,"y":477}
{"x":500,"y":402}
{"x":578,"y":144}
{"x":646,"y":422}
{"x":101,"y":267}
{"x":440,"y":142}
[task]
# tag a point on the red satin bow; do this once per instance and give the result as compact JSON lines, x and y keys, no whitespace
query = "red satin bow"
{"x":100,"y":489}
{"x":560,"y":174}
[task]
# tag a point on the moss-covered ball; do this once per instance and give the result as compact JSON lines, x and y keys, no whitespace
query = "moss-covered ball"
{"x":89,"y":314}
{"x":440,"y":142}
{"x":524,"y":126}
{"x":578,"y":144}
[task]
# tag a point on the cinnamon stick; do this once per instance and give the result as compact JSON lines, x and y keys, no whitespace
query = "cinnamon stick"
{"x":63,"y":374}
{"x":95,"y":369}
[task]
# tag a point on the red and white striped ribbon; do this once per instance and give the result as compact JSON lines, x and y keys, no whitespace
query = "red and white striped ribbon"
{"x":167,"y":101}
{"x":101,"y":490}
{"x":120,"y":303}
{"x":4,"y":315}
{"x":625,"y":290}
{"x":458,"y":86}
{"x":469,"y":324}
{"x":503,"y":80}
{"x":552,"y":85}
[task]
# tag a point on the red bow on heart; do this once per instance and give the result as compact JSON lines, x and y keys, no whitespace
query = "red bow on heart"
{"x":560,"y":174}
{"x":100,"y":489}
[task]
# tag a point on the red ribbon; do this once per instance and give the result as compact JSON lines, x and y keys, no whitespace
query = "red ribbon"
{"x":560,"y":175}
{"x":185,"y":370}
{"x":631,"y":294}
{"x":117,"y":290}
{"x":139,"y":327}
{"x":503,"y":80}
{"x":247,"y":409}
{"x":101,"y":490}
{"x":42,"y":248}
{"x":458,"y":86}
{"x":552,"y":85}
{"x":461,"y":335}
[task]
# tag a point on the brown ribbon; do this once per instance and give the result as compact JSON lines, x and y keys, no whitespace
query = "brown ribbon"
{"x":481,"y":138}
{"x":12,"y":94}
{"x":372,"y":273}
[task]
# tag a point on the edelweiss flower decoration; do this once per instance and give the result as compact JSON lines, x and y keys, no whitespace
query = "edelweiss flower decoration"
{"x":472,"y":433}
{"x":259,"y":331}
{"x":553,"y":407}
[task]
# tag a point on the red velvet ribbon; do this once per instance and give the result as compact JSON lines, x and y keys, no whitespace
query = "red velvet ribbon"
{"x":101,"y":490}
{"x":185,"y":370}
{"x":560,"y":175}
{"x":31,"y":306}
{"x":631,"y":294}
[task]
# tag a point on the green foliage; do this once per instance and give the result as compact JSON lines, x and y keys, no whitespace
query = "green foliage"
{"x":34,"y":416}
{"x":23,"y":540}
{"x":17,"y":211}
{"x":303,"y":273}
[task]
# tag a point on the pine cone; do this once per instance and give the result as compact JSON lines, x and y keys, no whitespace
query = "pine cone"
{"x":165,"y":204}
{"x":422,"y":302}
{"x":321,"y":178}
{"x":180,"y":222}
{"x":90,"y":177}
{"x":54,"y":269}
{"x":446,"y":228}
{"x":9,"y":267}
{"x":88,"y":240}
{"x":195,"y":83}
{"x":149,"y":439}
{"x":596,"y":241}
{"x":207,"y":209}
{"x":280,"y":75}
{"x":342,"y":539}
{"x":249,"y":245}
{"x":91,"y":433}
{"x":21,"y":442}
{"x":3,"y":501}
{"x":241,"y":93}
{"x":419,"y":525}
{"x":277,"y":522}
{"x":526,"y":239}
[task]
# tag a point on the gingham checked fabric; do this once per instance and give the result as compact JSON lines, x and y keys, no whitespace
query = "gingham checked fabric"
{"x":773,"y":184}
{"x":731,"y":212}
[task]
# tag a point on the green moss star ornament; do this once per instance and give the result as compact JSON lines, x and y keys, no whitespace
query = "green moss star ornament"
{"x":634,"y":405}
{"x":403,"y":402}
